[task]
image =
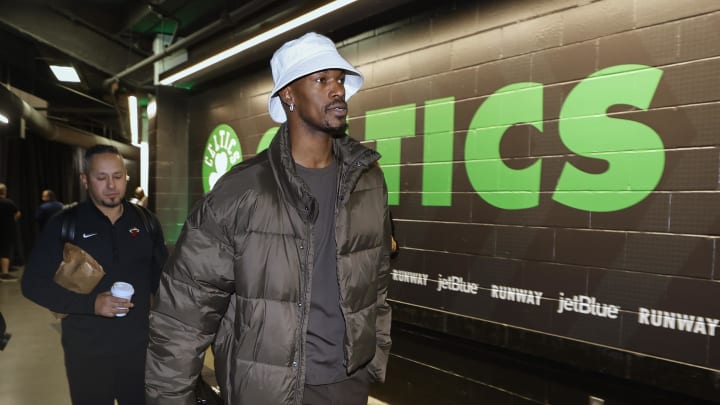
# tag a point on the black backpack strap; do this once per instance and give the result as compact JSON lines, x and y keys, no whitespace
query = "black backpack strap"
{"x":147,"y":223}
{"x":67,"y":229}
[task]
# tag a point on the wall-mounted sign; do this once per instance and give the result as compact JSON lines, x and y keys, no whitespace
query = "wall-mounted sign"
{"x":583,"y":209}
{"x":222,"y":151}
{"x":633,"y":152}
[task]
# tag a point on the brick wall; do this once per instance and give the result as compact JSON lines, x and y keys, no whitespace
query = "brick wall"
{"x":494,"y":233}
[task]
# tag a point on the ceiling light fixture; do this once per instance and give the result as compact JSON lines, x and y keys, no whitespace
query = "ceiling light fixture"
{"x":151,"y":109}
{"x":256,"y":40}
{"x":4,"y":119}
{"x":66,"y":74}
{"x":133,"y":117}
{"x":145,"y":167}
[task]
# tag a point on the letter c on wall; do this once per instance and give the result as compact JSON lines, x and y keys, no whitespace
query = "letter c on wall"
{"x":498,"y":184}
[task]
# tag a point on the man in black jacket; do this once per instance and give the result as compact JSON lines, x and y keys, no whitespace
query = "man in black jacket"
{"x":49,"y":207}
{"x":9,"y":214}
{"x":104,"y":338}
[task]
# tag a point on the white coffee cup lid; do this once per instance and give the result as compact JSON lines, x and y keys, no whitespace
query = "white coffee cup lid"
{"x":121,"y":286}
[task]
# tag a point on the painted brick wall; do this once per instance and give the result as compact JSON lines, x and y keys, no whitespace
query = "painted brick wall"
{"x":169,"y":140}
{"x":656,"y":255}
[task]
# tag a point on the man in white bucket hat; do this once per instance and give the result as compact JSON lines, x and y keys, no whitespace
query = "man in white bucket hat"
{"x":284,"y":265}
{"x":308,"y":54}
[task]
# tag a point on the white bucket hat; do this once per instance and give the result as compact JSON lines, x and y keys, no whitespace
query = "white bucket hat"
{"x":300,"y":57}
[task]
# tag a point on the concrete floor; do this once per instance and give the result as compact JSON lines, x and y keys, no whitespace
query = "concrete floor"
{"x":31,"y":365}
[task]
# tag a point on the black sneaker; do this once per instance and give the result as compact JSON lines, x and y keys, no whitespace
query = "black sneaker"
{"x":7,"y":278}
{"x":4,"y":338}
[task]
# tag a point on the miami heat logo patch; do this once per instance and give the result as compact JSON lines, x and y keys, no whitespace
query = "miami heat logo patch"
{"x":134,"y":232}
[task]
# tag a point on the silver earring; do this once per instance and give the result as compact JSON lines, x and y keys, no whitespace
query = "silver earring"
{"x":292,"y":107}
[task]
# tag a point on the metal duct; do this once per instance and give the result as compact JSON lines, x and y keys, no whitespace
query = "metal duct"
{"x":17,"y":108}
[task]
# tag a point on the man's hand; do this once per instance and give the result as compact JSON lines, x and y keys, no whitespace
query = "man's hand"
{"x":109,"y":306}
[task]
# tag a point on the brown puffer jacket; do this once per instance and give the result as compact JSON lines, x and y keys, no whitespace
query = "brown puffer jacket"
{"x":238,"y":279}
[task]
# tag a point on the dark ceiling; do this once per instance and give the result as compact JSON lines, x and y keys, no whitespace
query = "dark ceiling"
{"x":110,"y":43}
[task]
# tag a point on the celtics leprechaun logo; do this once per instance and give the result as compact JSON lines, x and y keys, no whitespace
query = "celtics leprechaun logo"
{"x":222,"y":151}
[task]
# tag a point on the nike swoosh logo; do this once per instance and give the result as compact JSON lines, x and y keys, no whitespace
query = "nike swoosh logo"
{"x":88,"y":235}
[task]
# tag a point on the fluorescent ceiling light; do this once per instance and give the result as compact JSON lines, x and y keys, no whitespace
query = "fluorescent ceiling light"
{"x":258,"y":39}
{"x":133,"y":116}
{"x":4,"y":119}
{"x":151,"y":109}
{"x":145,"y":166}
{"x":65,"y":73}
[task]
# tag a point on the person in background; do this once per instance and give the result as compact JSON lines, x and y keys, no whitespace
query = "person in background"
{"x":4,"y":336}
{"x":9,"y":214}
{"x":139,"y":197}
{"x":104,"y":353}
{"x":284,"y":266}
{"x":49,"y":207}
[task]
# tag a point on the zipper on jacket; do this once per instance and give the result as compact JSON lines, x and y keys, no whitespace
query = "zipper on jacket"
{"x":304,"y":302}
{"x":342,"y":186}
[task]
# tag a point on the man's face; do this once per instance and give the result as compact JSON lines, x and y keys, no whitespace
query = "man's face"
{"x":320,"y":100}
{"x":106,"y":180}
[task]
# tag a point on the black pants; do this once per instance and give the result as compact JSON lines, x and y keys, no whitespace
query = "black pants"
{"x":353,"y":391}
{"x":99,"y":380}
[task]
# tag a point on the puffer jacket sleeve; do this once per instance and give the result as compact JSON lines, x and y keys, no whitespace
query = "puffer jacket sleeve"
{"x":194,"y":292}
{"x":383,"y":321}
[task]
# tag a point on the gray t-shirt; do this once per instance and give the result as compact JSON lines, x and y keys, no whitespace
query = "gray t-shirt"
{"x":326,"y":326}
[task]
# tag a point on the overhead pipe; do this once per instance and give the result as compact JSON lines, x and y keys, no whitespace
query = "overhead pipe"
{"x":18,"y":108}
{"x":189,"y":40}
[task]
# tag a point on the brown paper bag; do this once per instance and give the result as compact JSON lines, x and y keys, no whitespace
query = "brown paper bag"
{"x":78,"y":272}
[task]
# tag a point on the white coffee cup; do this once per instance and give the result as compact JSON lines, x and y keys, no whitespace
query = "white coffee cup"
{"x":122,"y":289}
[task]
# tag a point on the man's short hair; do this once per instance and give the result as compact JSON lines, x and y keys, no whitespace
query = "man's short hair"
{"x":97,"y":150}
{"x":50,"y":194}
